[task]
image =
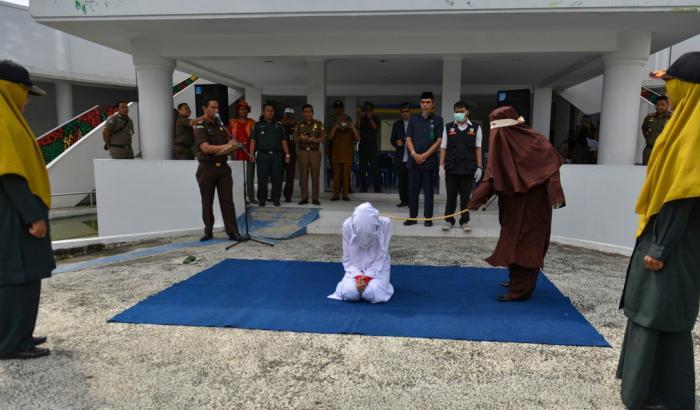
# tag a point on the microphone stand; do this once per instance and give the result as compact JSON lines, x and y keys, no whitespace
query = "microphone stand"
{"x":246,"y":237}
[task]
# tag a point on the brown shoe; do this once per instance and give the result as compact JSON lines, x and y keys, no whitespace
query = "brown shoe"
{"x":506,"y":298}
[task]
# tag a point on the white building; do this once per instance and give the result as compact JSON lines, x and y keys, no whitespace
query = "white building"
{"x":390,"y":51}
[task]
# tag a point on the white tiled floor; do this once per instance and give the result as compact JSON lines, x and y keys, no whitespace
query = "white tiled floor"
{"x":333,"y":213}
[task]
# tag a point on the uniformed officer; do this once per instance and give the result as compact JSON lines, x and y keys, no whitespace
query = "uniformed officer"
{"x":460,"y":163}
{"x":309,"y":135}
{"x":213,"y":173}
{"x":339,"y":112}
{"x":183,"y":145}
{"x":368,"y":150}
{"x":268,"y":142}
{"x":118,"y":131}
{"x":653,"y":124}
{"x":423,"y":137}
{"x":288,"y":122}
{"x":343,"y":136}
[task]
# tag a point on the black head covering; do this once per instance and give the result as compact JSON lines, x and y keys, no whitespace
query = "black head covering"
{"x":15,"y":73}
{"x":686,"y":68}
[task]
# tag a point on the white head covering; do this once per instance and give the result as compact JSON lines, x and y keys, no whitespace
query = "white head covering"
{"x":365,"y":225}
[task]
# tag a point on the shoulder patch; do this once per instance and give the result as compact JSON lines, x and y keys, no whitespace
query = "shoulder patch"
{"x":198,"y":126}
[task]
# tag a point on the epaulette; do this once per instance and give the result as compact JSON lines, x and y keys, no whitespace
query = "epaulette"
{"x":198,"y":126}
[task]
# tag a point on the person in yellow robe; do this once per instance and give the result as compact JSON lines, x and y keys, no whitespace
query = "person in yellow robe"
{"x":25,"y":198}
{"x":660,"y":298}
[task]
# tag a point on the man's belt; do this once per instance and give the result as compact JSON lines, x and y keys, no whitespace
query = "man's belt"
{"x":118,"y":146}
{"x":270,"y":152}
{"x":182,"y":145}
{"x":309,"y":149}
{"x":212,"y":163}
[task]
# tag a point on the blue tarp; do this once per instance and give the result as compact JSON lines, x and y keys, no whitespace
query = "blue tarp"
{"x":429,"y":302}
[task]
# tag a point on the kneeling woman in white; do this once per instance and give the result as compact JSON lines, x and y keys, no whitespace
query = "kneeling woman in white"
{"x":366,"y":260}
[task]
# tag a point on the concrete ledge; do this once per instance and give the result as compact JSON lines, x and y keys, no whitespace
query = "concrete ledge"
{"x":127,"y":238}
{"x":596,"y":246}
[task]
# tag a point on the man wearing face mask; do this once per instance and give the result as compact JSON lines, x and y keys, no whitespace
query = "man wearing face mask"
{"x":366,"y":259}
{"x":460,"y":163}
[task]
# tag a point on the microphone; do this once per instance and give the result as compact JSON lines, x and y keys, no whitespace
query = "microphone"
{"x":218,"y":119}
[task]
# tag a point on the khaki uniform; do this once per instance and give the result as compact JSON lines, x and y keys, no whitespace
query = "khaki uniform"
{"x":342,"y":148}
{"x":184,"y":139}
{"x":121,"y":131}
{"x":214,"y":176}
{"x":652,"y":126}
{"x":309,"y":157}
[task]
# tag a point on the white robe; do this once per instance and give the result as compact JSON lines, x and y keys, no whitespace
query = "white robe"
{"x":366,"y":253}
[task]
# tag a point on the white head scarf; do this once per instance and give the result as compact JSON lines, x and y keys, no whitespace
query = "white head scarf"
{"x":365,"y":225}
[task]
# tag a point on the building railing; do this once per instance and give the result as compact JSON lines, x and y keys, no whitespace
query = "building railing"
{"x":54,"y":142}
{"x":184,"y":84}
{"x":649,"y":95}
{"x":91,"y":194}
{"x":59,"y":139}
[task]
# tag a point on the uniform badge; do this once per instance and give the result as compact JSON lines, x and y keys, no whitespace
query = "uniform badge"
{"x":452,"y":130}
{"x":262,"y":132}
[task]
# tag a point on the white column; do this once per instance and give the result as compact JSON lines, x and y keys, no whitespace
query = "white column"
{"x":64,"y":101}
{"x":619,"y":119}
{"x":351,"y":106}
{"x":542,"y":110}
{"x":316,"y":96}
{"x":253,"y":96}
{"x":451,"y":86}
{"x":154,"y":79}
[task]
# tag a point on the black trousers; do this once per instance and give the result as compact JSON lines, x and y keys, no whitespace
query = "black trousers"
{"x":403,"y":182}
{"x":418,"y":179}
{"x":289,"y":171}
{"x":213,"y":179}
{"x":369,"y":158}
{"x":462,"y":185}
{"x":269,"y":164}
{"x":19,"y":305}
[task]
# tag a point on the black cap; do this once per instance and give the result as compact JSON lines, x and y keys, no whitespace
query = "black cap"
{"x":426,"y":95}
{"x":686,"y":68}
{"x":15,"y":73}
{"x":368,"y":105}
{"x":338,"y":103}
{"x":405,"y":106}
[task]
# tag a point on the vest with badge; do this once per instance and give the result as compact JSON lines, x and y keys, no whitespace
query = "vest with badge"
{"x":460,"y":157}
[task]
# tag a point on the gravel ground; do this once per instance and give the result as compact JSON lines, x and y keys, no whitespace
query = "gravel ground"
{"x":99,"y":365}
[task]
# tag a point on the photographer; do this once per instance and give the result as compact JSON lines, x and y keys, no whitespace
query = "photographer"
{"x":368,"y":126}
{"x":343,"y":136}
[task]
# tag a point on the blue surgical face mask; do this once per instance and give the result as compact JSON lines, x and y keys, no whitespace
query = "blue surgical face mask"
{"x":460,"y":116}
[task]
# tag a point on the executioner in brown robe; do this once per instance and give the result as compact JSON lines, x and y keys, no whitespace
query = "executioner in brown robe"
{"x":523,"y":170}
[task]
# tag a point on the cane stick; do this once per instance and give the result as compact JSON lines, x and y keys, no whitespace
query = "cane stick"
{"x":489,"y":202}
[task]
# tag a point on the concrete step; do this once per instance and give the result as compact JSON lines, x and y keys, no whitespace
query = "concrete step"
{"x":333,"y":213}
